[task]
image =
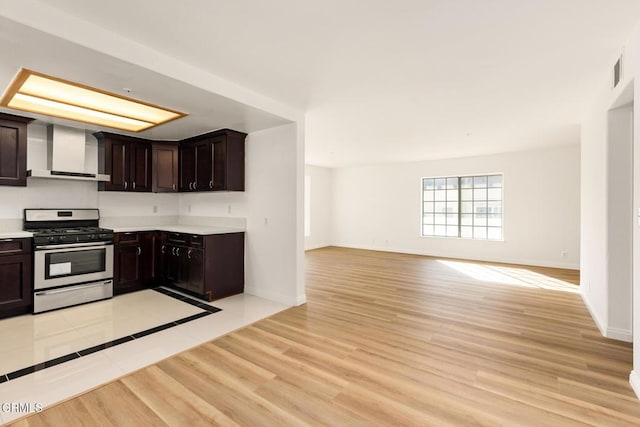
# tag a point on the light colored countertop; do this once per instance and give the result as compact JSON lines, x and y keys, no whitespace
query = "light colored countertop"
{"x":179,"y":228}
{"x":15,"y":234}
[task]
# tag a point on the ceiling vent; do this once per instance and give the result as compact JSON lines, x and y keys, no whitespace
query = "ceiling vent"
{"x":617,"y":72}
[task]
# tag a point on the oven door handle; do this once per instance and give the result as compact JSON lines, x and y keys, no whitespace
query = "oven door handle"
{"x":73,"y":288}
{"x":74,"y":245}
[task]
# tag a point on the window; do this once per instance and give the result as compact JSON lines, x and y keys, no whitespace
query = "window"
{"x":469,"y":207}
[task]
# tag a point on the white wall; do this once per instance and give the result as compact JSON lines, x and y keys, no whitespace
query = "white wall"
{"x":606,"y":207}
{"x":379,"y":207}
{"x":321,"y":206}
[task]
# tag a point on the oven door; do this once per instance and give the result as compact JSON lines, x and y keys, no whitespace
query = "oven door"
{"x":59,"y":265}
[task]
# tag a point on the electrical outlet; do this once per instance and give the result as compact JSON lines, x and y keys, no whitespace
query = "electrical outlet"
{"x":189,"y":208}
{"x":266,"y":221}
{"x":228,"y":208}
{"x":564,"y":254}
{"x":155,"y":208}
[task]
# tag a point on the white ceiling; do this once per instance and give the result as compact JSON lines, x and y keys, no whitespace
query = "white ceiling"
{"x":384,"y":81}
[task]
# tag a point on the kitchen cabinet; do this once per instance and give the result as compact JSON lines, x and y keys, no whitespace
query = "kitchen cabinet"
{"x":13,"y":149}
{"x":213,"y":162}
{"x":135,"y":262}
{"x":165,"y":168}
{"x":16,"y":287}
{"x":210,"y":267}
{"x":127,"y":160}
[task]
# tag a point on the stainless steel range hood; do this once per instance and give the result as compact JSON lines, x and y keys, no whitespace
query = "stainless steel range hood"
{"x":66,"y":156}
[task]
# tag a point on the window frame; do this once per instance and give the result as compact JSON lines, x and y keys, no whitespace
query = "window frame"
{"x":459,"y":223}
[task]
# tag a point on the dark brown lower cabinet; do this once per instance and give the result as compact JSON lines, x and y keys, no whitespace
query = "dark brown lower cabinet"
{"x":135,"y":261}
{"x":16,"y":289}
{"x":210,"y":267}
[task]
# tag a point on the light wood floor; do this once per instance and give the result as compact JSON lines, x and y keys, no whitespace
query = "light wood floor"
{"x":388,"y":339}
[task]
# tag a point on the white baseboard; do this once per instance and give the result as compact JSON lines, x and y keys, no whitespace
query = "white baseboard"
{"x":276,"y":296}
{"x":620,"y":334}
{"x":316,"y":246}
{"x":506,"y":260}
{"x":601,"y":326}
{"x":634,"y":380}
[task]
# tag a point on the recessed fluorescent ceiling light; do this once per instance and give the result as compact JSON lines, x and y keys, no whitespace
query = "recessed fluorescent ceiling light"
{"x":39,"y":93}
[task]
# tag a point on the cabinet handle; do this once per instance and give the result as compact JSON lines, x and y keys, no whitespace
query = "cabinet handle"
{"x":125,"y":185}
{"x":163,"y":248}
{"x":191,"y":186}
{"x":211,"y":184}
{"x":189,"y":253}
{"x":134,"y":185}
{"x":173,"y":186}
{"x":173,"y":251}
{"x":195,"y":185}
{"x":177,"y":251}
{"x":139,"y":250}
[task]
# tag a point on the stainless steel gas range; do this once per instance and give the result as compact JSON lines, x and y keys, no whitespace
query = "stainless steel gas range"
{"x":73,"y":257}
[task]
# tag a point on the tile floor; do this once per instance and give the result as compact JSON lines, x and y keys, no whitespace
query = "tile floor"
{"x":32,"y":339}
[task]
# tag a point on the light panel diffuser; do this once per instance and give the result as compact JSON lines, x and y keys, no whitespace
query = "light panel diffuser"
{"x":39,"y":93}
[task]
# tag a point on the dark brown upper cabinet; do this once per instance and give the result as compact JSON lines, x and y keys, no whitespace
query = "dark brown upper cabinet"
{"x":13,"y":149}
{"x":127,"y":160}
{"x":213,"y":162}
{"x":165,"y":168}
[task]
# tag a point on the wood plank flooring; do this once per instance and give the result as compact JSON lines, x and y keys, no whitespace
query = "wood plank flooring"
{"x":389,"y":339}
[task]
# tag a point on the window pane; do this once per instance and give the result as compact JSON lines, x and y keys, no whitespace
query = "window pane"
{"x":494,"y":220}
{"x":480,"y":194}
{"x":479,"y":182}
{"x":466,"y":232}
{"x":480,"y":219}
{"x":495,"y":194}
{"x":427,"y":184}
{"x":428,"y":207}
{"x":479,"y":232}
{"x":480,"y":207}
{"x":494,"y":207}
{"x":427,"y":196}
{"x":494,"y":233}
{"x":466,"y":207}
{"x":466,"y":194}
{"x":452,"y":219}
{"x":495,"y":181}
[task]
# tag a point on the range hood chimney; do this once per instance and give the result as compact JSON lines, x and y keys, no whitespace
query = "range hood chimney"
{"x":66,"y":156}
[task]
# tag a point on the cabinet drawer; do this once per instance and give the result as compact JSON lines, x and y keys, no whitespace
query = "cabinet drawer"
{"x":15,"y":246}
{"x":126,"y":238}
{"x":178,"y":239}
{"x":196,"y":241}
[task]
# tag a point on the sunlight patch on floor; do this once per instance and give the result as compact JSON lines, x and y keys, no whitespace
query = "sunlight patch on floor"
{"x":510,"y":276}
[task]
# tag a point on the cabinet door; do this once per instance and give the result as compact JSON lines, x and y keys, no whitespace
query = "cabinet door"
{"x":203,"y":165}
{"x":148,"y":258}
{"x":15,"y":284}
{"x":13,"y":153}
{"x":117,"y":158}
{"x":195,"y":261}
{"x":165,"y":168}
{"x":127,"y":268}
{"x":140,"y":167}
{"x":187,"y":167}
{"x":218,"y":163}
